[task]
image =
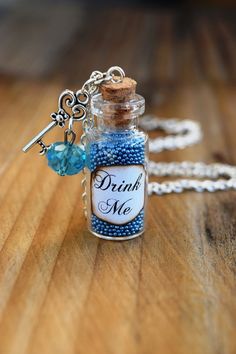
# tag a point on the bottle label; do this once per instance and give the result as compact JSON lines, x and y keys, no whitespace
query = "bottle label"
{"x":118,"y":193}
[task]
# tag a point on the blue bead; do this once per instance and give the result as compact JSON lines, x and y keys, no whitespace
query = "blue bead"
{"x":66,"y":159}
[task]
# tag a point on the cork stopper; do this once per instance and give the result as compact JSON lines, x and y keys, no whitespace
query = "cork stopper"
{"x":119,"y":92}
{"x":118,"y":103}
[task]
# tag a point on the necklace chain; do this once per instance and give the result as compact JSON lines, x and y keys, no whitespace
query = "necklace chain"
{"x":187,"y":133}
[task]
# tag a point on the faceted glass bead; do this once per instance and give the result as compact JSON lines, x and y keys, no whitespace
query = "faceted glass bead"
{"x":66,"y":159}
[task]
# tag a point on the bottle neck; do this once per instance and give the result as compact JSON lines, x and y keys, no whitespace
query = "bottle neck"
{"x":117,"y":116}
{"x":106,"y":124}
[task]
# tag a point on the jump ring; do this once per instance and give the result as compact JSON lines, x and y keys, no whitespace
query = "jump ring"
{"x":111,"y":73}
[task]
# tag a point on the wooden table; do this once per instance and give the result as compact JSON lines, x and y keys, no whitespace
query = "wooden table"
{"x":171,"y":291}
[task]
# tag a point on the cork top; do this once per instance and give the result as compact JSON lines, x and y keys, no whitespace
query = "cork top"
{"x":118,"y":92}
{"x":117,"y":104}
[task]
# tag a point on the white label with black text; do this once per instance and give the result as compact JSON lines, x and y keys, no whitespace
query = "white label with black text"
{"x":118,"y":193}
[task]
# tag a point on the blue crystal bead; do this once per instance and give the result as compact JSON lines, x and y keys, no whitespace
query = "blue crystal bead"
{"x":66,"y":159}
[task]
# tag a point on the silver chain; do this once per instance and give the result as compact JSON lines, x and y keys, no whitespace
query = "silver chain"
{"x":184,"y":133}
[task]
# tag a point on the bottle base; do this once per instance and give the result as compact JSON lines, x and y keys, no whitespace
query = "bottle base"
{"x":117,"y":238}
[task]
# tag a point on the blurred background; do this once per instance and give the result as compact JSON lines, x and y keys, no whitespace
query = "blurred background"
{"x":168,"y":46}
{"x":155,"y":41}
{"x":49,"y":45}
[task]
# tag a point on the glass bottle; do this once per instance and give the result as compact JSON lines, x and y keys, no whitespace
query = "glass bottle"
{"x":116,"y":172}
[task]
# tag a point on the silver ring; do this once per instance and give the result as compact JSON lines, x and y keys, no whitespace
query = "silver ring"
{"x":111,"y":73}
{"x":82,"y":96}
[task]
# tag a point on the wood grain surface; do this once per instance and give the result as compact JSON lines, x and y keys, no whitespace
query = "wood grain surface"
{"x":171,"y":291}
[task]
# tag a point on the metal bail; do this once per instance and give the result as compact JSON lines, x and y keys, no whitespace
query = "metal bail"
{"x":73,"y":136}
